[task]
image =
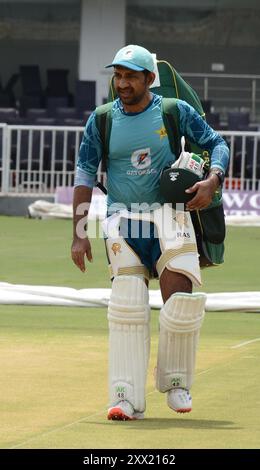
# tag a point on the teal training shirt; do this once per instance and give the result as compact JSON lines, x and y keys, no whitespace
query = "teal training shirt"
{"x":139,"y":149}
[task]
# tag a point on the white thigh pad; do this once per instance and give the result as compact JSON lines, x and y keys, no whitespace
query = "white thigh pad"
{"x":123,"y":260}
{"x":180,"y":322}
{"x":129,"y":341}
{"x":177,"y":242}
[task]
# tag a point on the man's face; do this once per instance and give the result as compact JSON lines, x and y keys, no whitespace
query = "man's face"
{"x":131,"y":86}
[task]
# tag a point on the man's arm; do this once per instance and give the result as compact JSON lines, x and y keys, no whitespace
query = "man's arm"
{"x":199,"y":132}
{"x":88,"y":160}
{"x":81,"y":245}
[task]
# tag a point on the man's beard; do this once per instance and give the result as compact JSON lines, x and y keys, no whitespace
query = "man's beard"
{"x":130,"y":99}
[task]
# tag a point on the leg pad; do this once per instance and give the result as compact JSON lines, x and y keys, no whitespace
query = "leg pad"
{"x":180,"y":322}
{"x":129,"y":341}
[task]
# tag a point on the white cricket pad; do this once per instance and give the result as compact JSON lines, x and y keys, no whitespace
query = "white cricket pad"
{"x":180,"y":321}
{"x":177,"y":242}
{"x":129,"y":341}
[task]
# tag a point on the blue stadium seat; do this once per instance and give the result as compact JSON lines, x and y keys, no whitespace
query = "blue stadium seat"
{"x":213,"y":119}
{"x":238,"y":121}
{"x":85,"y":96}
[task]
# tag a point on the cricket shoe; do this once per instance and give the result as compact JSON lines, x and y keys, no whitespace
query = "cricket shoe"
{"x":123,"y":411}
{"x":179,"y":400}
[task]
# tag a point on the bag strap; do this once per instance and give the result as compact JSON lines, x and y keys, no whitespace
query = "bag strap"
{"x":104,"y":124}
{"x":170,"y":115}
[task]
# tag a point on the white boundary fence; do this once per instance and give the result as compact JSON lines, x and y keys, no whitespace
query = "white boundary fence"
{"x":37,"y":159}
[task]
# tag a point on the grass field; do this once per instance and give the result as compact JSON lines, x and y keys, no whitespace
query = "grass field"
{"x":53,"y":360}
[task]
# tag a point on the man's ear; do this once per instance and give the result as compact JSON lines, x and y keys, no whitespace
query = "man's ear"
{"x":151,"y":78}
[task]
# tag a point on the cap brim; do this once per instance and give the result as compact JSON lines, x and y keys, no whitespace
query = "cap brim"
{"x":128,"y":65}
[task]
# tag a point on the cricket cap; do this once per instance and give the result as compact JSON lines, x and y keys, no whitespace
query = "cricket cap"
{"x":133,"y":57}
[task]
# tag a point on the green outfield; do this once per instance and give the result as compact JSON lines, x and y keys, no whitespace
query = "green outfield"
{"x":53,"y":360}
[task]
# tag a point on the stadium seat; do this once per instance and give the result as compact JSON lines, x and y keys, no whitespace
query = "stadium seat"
{"x":85,"y":96}
{"x":27,"y":102}
{"x":71,"y":122}
{"x":32,"y":93}
{"x":32,"y":114}
{"x":45,"y":121}
{"x":9,"y":88}
{"x":9,"y":115}
{"x":65,"y":116}
{"x":85,"y":116}
{"x":5,"y":101}
{"x":238,"y":120}
{"x":57,"y":82}
{"x":31,"y":80}
{"x":213,"y":119}
{"x":65,"y":113}
{"x":54,"y":102}
{"x":206,"y":105}
{"x":7,"y":98}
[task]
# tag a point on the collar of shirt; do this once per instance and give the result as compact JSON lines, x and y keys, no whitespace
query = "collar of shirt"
{"x":121,"y":107}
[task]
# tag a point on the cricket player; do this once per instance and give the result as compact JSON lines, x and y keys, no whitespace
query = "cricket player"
{"x":146,"y":237}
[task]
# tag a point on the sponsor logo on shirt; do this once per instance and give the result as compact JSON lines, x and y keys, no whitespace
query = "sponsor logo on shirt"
{"x":141,"y":159}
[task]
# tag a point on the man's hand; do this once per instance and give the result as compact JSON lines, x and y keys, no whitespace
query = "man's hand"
{"x":205,"y":192}
{"x":79,"y":248}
